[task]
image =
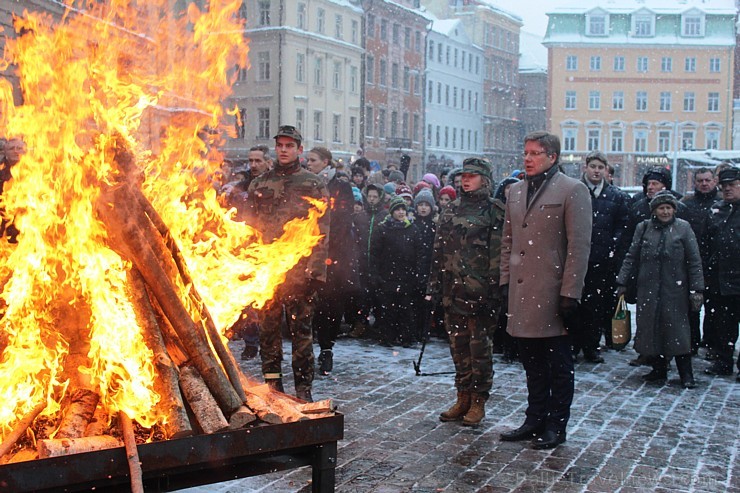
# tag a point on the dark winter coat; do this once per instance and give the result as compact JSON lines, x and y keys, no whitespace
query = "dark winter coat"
{"x":366,"y":224}
{"x":544,"y":252}
{"x":342,"y":272}
{"x":697,"y":210}
{"x":394,"y":262}
{"x":667,"y":256}
{"x":640,"y":211}
{"x":610,"y":216}
{"x":426,"y":228}
{"x":467,"y":253}
{"x":721,"y":247}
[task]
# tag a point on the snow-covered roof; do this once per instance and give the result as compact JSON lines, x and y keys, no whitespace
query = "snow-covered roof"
{"x":354,"y":5}
{"x":532,"y":53}
{"x":495,"y":5}
{"x":445,"y":26}
{"x":657,"y":6}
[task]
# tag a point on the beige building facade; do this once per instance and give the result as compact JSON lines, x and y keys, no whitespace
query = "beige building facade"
{"x":640,"y":81}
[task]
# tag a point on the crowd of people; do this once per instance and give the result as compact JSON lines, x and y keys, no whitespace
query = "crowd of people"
{"x":530,"y":268}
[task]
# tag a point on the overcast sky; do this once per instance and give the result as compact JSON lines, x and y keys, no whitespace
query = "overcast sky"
{"x":532,"y":13}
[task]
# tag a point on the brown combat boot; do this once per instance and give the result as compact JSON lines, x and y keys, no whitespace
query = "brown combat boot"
{"x":458,"y":410}
{"x":477,"y":410}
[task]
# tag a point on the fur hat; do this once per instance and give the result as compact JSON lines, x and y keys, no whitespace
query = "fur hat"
{"x":477,"y":166}
{"x":448,"y":190}
{"x":397,"y":202}
{"x":395,"y":176}
{"x":424,"y":195}
{"x":658,"y":173}
{"x":432,"y":179}
{"x":663,"y":197}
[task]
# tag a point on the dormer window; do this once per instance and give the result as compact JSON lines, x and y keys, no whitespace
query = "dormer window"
{"x":597,"y":24}
{"x":692,"y":24}
{"x":643,"y":25}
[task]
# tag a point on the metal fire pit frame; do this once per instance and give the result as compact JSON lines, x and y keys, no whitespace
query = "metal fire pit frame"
{"x":193,"y":461}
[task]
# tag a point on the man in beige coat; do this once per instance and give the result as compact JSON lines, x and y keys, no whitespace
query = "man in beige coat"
{"x":544,"y":259}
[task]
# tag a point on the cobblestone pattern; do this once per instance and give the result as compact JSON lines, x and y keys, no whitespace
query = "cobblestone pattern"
{"x":624,"y":435}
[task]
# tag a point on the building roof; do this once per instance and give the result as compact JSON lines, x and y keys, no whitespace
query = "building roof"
{"x":532,"y":53}
{"x":495,"y":5}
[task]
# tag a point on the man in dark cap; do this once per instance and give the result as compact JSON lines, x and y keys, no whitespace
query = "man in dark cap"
{"x":721,"y":245}
{"x":274,"y":198}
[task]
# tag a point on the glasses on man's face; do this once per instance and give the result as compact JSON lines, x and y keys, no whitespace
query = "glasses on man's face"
{"x":533,"y":153}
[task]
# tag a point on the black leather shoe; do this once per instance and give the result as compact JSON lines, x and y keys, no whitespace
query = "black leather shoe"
{"x":718,"y":370}
{"x":524,"y":432}
{"x":655,"y":376}
{"x":592,"y":357}
{"x":549,"y":439}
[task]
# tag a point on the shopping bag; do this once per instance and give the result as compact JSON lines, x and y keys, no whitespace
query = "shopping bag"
{"x":621,"y":325}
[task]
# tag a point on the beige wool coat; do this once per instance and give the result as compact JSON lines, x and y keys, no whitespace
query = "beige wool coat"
{"x":544,"y":253}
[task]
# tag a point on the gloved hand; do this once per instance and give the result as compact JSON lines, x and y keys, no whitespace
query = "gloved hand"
{"x":696,"y":300}
{"x":568,"y":311}
{"x":621,"y":290}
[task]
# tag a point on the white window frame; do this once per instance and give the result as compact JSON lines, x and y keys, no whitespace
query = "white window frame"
{"x":616,"y":140}
{"x":640,"y":140}
{"x":689,"y":64}
{"x":594,"y":100}
{"x":618,"y":101}
{"x":595,"y":63}
{"x":571,"y":99}
{"x":571,"y":63}
{"x":692,"y":25}
{"x":711,"y":138}
{"x":666,"y":64}
{"x":666,"y":101}
{"x":642,"y":64}
{"x":641,"y":101}
{"x":597,"y":24}
{"x":619,"y":63}
{"x":570,"y":138}
{"x":665,"y":140}
{"x":715,"y":65}
{"x":263,"y":65}
{"x":643,"y":25}
{"x":593,"y":139}
{"x":689,"y":101}
{"x":300,"y":67}
{"x":713,"y":102}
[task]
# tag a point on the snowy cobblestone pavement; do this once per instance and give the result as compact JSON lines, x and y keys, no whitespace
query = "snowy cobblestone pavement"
{"x":624,"y":435}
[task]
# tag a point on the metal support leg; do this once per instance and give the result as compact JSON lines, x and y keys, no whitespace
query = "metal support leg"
{"x":323,"y":468}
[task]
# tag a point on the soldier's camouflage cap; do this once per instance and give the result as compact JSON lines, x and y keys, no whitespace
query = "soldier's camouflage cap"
{"x":289,"y":131}
{"x":477,"y":166}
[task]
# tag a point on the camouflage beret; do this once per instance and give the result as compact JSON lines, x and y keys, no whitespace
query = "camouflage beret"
{"x":477,"y":166}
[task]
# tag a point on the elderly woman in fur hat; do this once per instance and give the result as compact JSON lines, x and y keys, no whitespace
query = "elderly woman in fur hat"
{"x":665,"y":256}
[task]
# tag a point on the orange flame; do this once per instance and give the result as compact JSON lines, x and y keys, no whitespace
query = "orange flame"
{"x":157,"y":78}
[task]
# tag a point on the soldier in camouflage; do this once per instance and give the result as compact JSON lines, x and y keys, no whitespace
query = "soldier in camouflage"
{"x":274,"y":198}
{"x":465,"y":274}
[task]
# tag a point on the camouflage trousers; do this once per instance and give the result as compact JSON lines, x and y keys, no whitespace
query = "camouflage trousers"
{"x":298,"y":311}
{"x":470,"y":347}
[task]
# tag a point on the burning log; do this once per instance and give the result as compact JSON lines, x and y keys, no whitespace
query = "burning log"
{"x":170,"y":405}
{"x":132,"y":454}
{"x":287,"y":411}
{"x":57,"y":447}
{"x":78,"y":414}
{"x":204,"y":406}
{"x":98,"y":424}
{"x":21,"y":428}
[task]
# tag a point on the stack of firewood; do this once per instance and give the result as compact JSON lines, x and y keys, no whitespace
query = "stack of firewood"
{"x":202,"y":388}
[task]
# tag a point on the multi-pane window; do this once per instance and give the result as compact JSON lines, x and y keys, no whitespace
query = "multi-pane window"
{"x":712,"y":139}
{"x":692,"y":25}
{"x":241,"y":73}
{"x":369,"y":121}
{"x":595,"y":63}
{"x":666,"y":64}
{"x":300,"y":67}
{"x":405,"y":126}
{"x":617,"y":140}
{"x":665,"y":101}
{"x":370,"y":25}
{"x":597,"y":25}
{"x":641,"y":140}
{"x":593,"y":139}
{"x":299,"y":119}
{"x":264,"y":9}
{"x":619,"y":63}
{"x":437,"y":134}
{"x":439,"y":93}
{"x":394,"y":75}
{"x":642,"y":64}
{"x":454,"y":97}
{"x":355,"y":31}
{"x":336,"y":127}
{"x":569,"y":139}
{"x":263,"y":123}
{"x":714,"y":65}
{"x":643,"y":25}
{"x":406,"y":79}
{"x":336,"y":80}
{"x":417,"y":41}
{"x":318,"y":123}
{"x":664,"y":140}
{"x":690,"y":64}
{"x":570,"y":100}
{"x":431,"y":50}
{"x":641,"y":101}
{"x":407,"y":38}
{"x":594,"y":100}
{"x":571,"y":62}
{"x":429,"y":134}
{"x":320,"y":21}
{"x":381,"y":123}
{"x":301,"y":16}
{"x":353,"y":130}
{"x":383,"y":29}
{"x":383,"y":72}
{"x":370,"y":69}
{"x":338,"y":27}
{"x":430,"y":91}
{"x":687,"y":140}
{"x":415,"y":129}
{"x":713,"y":101}
{"x":318,"y":72}
{"x":689,"y":99}
{"x":394,"y":123}
{"x":263,"y":64}
{"x":353,"y":76}
{"x":417,"y":84}
{"x":618,"y":100}
{"x":396,"y":33}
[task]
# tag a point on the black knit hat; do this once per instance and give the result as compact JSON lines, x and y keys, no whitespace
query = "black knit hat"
{"x":663,"y":197}
{"x":658,"y":173}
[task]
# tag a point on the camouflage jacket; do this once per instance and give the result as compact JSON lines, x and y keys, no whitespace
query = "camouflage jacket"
{"x":467,"y":253}
{"x":276,"y":197}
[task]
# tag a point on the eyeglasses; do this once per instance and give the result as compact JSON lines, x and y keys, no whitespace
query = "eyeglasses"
{"x":533,"y":153}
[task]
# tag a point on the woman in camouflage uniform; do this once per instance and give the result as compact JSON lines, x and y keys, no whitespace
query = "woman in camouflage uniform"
{"x":465,"y":274}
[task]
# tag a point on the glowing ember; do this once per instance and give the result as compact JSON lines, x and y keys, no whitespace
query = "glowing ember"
{"x":155,"y":79}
